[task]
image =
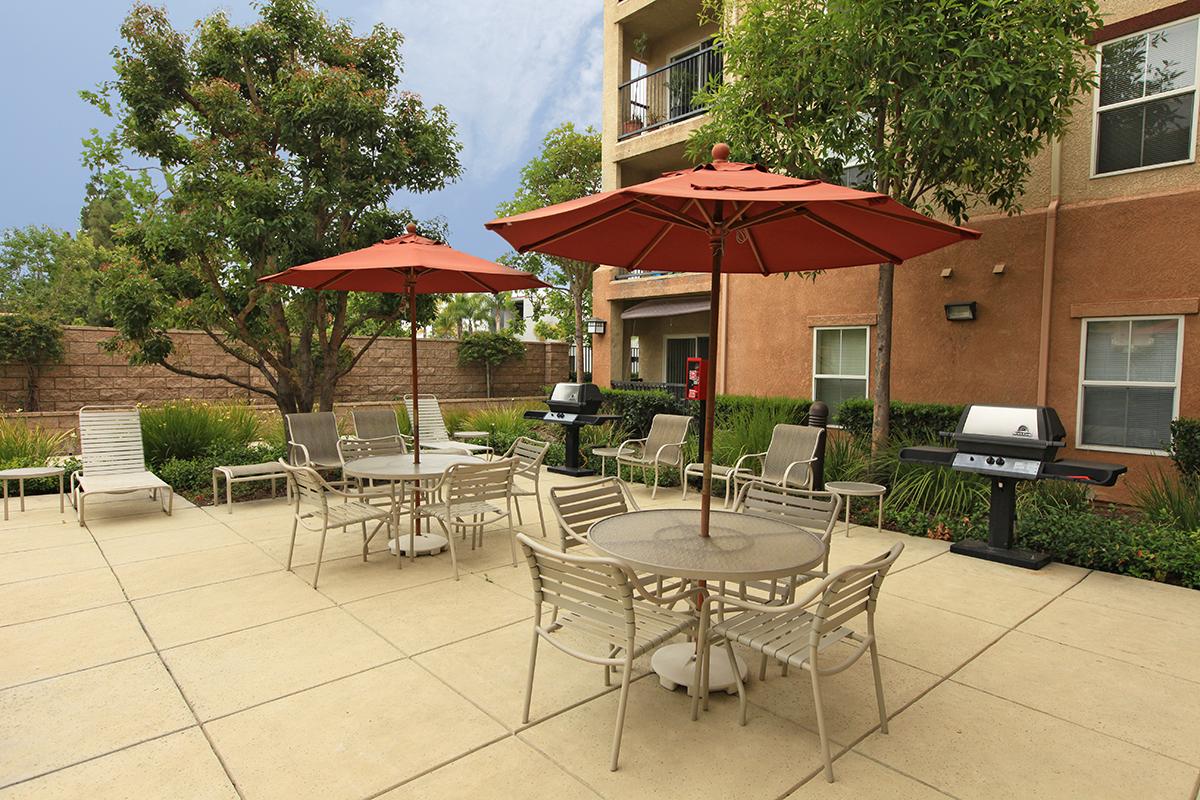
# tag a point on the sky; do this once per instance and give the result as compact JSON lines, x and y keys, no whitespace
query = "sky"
{"x":507,"y":71}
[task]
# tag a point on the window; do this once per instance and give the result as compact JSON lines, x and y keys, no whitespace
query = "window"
{"x":1130,"y":388}
{"x":679,"y":350}
{"x":1146,"y":103}
{"x":839,"y":365}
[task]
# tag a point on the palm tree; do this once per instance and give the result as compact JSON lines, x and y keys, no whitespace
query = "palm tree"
{"x":459,"y":314}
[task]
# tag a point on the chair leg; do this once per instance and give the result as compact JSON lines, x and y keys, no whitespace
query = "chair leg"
{"x":817,"y":704}
{"x":697,"y":671}
{"x":450,"y":544}
{"x":292,"y":545}
{"x":685,"y":486}
{"x":320,"y":554}
{"x":626,"y":676}
{"x":883,"y":728}
{"x":537,"y":498}
{"x":517,"y":505}
{"x":762,"y":667}
{"x":533,"y":648}
{"x":737,"y":676}
{"x":654,"y":492}
{"x":216,"y":496}
{"x":229,"y":496}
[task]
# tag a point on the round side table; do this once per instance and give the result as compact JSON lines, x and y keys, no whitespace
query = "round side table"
{"x":29,"y":473}
{"x":849,"y":489}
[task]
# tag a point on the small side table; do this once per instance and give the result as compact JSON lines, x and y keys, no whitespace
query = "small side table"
{"x":29,"y":473}
{"x":848,"y":489}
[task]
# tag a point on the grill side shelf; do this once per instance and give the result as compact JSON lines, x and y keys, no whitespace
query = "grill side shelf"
{"x":1095,"y":472}
{"x":935,"y":456}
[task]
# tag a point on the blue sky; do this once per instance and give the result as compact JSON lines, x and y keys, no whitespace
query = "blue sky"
{"x":507,"y":70}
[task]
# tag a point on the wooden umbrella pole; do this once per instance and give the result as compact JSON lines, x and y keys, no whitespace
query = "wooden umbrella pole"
{"x":710,"y":404}
{"x":412,"y":330}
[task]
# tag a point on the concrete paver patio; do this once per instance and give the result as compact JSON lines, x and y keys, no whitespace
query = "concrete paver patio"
{"x":146,"y":656}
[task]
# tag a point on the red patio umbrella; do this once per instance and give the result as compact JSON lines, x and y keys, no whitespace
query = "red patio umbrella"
{"x":413,"y":265}
{"x":729,"y":217}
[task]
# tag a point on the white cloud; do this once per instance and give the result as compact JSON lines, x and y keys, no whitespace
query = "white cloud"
{"x":507,"y":70}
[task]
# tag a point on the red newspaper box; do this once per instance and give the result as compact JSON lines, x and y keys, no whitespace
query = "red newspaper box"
{"x":696,"y":382}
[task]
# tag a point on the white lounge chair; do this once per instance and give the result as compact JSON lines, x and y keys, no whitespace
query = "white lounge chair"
{"x":114,"y":461}
{"x":434,"y":434}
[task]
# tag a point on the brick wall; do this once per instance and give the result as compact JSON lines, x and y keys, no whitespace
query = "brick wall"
{"x":88,"y":375}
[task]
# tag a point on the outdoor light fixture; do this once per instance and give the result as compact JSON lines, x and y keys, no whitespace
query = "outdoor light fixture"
{"x":594,"y":325}
{"x":960,"y":312}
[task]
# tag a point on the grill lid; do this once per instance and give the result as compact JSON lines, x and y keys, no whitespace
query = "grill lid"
{"x":579,"y":398}
{"x":1025,"y":431}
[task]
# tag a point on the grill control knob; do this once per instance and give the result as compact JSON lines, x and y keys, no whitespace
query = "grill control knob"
{"x":1000,"y":460}
{"x":991,"y":460}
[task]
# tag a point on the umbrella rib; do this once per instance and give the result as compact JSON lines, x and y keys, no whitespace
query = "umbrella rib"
{"x":845,"y":234}
{"x":658,"y":237}
{"x":677,"y":217}
{"x":482,"y":283}
{"x":324,"y":284}
{"x":917,"y":220}
{"x":769,"y":216}
{"x":754,"y":249}
{"x":739,"y":213}
{"x":573,"y":229}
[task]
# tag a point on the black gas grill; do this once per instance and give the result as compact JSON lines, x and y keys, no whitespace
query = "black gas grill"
{"x":573,"y":405}
{"x":1010,"y":444}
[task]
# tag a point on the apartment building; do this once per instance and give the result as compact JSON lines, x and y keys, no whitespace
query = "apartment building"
{"x":1088,"y":301}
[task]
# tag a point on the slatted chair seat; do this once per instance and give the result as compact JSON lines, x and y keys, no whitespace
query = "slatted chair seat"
{"x":353,"y":512}
{"x":784,"y":639}
{"x":460,"y":511}
{"x":114,"y":461}
{"x":434,"y":434}
{"x":655,"y":626}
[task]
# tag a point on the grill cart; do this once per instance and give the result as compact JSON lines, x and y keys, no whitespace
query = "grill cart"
{"x":1010,"y":444}
{"x":573,"y":405}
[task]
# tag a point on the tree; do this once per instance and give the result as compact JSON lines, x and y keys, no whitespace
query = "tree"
{"x":271,"y":145}
{"x":491,"y":350}
{"x":944,"y":102}
{"x":568,"y":167}
{"x":30,"y":340}
{"x":52,"y":274}
{"x":458,"y":314}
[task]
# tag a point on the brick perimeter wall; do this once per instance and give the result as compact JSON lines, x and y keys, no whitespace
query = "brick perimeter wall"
{"x":90,"y":376}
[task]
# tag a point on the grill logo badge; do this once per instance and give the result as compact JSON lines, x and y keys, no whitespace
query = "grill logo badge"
{"x":1023,"y":431}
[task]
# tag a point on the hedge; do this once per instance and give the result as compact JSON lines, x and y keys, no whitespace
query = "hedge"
{"x":637,"y":408}
{"x":909,"y":421}
{"x":1185,"y":447}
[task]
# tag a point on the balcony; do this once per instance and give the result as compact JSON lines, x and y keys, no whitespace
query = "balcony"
{"x":630,"y":274}
{"x":667,"y":94}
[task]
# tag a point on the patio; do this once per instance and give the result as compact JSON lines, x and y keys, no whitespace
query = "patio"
{"x":147,"y":656}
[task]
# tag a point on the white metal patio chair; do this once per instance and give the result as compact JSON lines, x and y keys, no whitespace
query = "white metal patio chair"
{"x":596,"y":599}
{"x":662,"y":447}
{"x":434,"y":434}
{"x":529,"y":454}
{"x":312,"y":510}
{"x":799,"y":632}
{"x":114,"y":460}
{"x":467,"y":498}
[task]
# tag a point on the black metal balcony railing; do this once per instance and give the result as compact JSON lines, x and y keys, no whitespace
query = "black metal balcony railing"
{"x":668,"y":94}
{"x":641,"y":273}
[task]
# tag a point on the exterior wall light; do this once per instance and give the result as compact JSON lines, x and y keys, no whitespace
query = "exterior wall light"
{"x":594,"y":325}
{"x":960,"y":312}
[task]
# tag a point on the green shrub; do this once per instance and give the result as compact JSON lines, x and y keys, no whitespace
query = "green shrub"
{"x":504,"y":424}
{"x":847,"y":458}
{"x":31,"y":341}
{"x":746,"y":428}
{"x":185,"y":430}
{"x":192,"y":477}
{"x":1168,"y":499}
{"x":1052,"y":496}
{"x":24,"y":446}
{"x":1185,"y":447}
{"x":914,"y":422}
{"x":637,"y":409}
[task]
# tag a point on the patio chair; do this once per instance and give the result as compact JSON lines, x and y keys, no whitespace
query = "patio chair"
{"x":662,"y":447}
{"x":352,"y":449}
{"x":596,"y":598}
{"x":529,"y":454}
{"x":799,"y":632}
{"x":311,"y":495}
{"x":787,"y":460}
{"x":466,"y":498}
{"x":434,"y":435}
{"x":376,"y":423}
{"x":313,"y":440}
{"x":114,"y":461}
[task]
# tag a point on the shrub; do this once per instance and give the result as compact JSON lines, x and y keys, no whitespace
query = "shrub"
{"x":928,"y":489}
{"x":30,"y":341}
{"x":186,"y":430}
{"x":23,"y":446}
{"x":637,"y":409}
{"x":504,"y":424}
{"x":745,"y":429}
{"x":1169,"y":500}
{"x":914,"y":422}
{"x":846,"y":458}
{"x":491,"y":350}
{"x":1185,"y":447}
{"x":192,"y":477}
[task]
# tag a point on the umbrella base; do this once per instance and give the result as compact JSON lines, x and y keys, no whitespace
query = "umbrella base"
{"x":427,"y":544}
{"x":676,"y":664}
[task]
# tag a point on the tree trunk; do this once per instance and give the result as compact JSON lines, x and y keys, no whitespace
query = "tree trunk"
{"x":487,"y":377}
{"x":577,"y":302}
{"x":31,"y":400}
{"x":882,"y":388}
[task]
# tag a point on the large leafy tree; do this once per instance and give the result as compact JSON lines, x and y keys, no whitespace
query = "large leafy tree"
{"x":943,"y":102}
{"x":270,"y":145}
{"x":567,"y":167}
{"x":52,"y":274}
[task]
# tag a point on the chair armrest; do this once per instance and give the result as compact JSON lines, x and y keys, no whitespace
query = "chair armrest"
{"x":680,"y":445}
{"x":787,"y":473}
{"x":296,"y":446}
{"x":737,"y":465}
{"x":632,"y":445}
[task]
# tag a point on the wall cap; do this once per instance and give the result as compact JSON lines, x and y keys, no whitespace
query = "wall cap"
{"x":1136,"y":308}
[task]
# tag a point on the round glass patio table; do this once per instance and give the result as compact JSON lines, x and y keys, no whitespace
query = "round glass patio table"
{"x":402,"y":469}
{"x":740,"y":547}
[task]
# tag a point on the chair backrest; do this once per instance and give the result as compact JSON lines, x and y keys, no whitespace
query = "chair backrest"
{"x":110,"y":440}
{"x":529,"y":454}
{"x":429,"y":416}
{"x":851,"y":592}
{"x":375,"y":423}
{"x":317,"y":431}
{"x":791,"y":443}
{"x":579,"y":506}
{"x":352,"y":449}
{"x":667,"y":429}
{"x":307,"y":484}
{"x":804,"y":508}
{"x":596,"y":589}
{"x":479,"y":483}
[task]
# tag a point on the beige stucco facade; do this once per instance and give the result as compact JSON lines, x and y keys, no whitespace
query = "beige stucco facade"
{"x":1123,"y":245}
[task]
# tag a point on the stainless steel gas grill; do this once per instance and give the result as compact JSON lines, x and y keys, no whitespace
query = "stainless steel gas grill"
{"x":573,"y":405}
{"x":1010,"y":444}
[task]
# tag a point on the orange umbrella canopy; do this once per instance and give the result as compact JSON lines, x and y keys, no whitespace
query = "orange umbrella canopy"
{"x":408,"y":263}
{"x":768,"y":223}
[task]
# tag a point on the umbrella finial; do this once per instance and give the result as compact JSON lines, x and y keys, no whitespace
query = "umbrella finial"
{"x":411,"y":227}
{"x":720,"y":152}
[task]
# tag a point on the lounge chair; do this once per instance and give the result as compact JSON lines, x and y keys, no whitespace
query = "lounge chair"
{"x":434,"y":435}
{"x":114,"y":461}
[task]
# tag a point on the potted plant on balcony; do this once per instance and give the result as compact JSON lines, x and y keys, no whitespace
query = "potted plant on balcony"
{"x":632,"y":125}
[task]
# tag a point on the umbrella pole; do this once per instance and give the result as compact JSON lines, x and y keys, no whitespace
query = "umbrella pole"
{"x":710,"y":404}
{"x":412,"y":331}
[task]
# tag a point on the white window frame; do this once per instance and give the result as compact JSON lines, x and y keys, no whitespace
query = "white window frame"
{"x":1194,"y":88}
{"x":815,"y":375}
{"x":1079,"y":443}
